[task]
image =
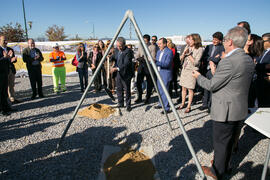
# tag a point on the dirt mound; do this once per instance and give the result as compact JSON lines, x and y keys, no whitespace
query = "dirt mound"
{"x":129,"y":164}
{"x":97,"y":111}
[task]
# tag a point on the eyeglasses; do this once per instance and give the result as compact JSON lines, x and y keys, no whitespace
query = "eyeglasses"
{"x":225,"y":39}
{"x":154,"y":40}
{"x":268,"y":40}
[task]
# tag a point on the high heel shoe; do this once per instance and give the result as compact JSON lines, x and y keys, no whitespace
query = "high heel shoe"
{"x":187,"y":110}
{"x":181,"y":106}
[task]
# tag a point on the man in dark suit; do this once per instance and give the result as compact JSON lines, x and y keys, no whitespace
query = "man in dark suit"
{"x":124,"y":72}
{"x":33,"y":57}
{"x":211,"y":57}
{"x":263,"y":86}
{"x":164,"y":61}
{"x":229,"y":87}
{"x":6,"y":58}
{"x":143,"y":70}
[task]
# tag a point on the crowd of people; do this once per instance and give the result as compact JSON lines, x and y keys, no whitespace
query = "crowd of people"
{"x":232,"y":74}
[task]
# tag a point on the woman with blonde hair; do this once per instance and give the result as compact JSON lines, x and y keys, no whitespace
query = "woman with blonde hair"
{"x":191,"y":61}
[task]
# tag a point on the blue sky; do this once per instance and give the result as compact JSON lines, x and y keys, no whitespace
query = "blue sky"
{"x":163,"y":18}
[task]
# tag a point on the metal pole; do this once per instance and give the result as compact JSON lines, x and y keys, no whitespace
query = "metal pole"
{"x":25,"y":26}
{"x":154,"y":82}
{"x":91,"y":81}
{"x":266,"y":162}
{"x":168,"y":96}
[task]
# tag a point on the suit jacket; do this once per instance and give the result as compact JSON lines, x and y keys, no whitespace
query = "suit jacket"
{"x":230,"y":85}
{"x":260,"y":66}
{"x":206,"y":57}
{"x":7,"y":63}
{"x":90,"y":59}
{"x":28,"y":59}
{"x":140,"y":57}
{"x":4,"y":63}
{"x":197,"y":55}
{"x":165,"y":65}
{"x":124,"y":63}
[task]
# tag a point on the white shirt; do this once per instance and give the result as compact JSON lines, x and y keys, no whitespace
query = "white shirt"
{"x":5,"y":49}
{"x":264,"y":54}
{"x":160,"y":57}
{"x":230,"y":53}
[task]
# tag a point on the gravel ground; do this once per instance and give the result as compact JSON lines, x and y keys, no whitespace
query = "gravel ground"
{"x":29,"y":137}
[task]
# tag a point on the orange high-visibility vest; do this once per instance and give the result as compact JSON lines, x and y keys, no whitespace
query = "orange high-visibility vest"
{"x":60,"y":63}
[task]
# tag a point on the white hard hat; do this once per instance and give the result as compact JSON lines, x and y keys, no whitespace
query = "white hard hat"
{"x":55,"y":45}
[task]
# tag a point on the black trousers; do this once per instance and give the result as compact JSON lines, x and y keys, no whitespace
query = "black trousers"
{"x":252,"y":94}
{"x":207,"y":94}
{"x":97,"y":81}
{"x":224,"y":134}
{"x":263,"y":89}
{"x":83,"y":76}
{"x":140,"y":77}
{"x":121,"y":86}
{"x":173,"y":83}
{"x":101,"y":76}
{"x":4,"y":92}
{"x":35,"y":77}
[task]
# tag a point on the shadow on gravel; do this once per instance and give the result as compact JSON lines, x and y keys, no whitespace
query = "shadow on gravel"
{"x":79,"y":157}
{"x":201,"y":139}
{"x":16,"y":133}
{"x":57,"y":99}
{"x":169,"y":163}
{"x":247,"y":141}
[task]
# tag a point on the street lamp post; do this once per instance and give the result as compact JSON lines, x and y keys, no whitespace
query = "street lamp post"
{"x":25,"y":21}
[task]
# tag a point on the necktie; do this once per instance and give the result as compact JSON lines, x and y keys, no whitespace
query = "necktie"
{"x":119,"y":54}
{"x":213,"y":51}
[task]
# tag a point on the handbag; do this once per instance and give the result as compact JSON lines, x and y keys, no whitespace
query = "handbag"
{"x":74,"y":61}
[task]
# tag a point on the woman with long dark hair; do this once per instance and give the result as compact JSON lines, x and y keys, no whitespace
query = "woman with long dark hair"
{"x":254,"y":48}
{"x":82,"y":67}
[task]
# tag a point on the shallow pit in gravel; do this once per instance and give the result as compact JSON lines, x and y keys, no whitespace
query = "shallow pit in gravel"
{"x":127,"y":164}
{"x":97,"y":111}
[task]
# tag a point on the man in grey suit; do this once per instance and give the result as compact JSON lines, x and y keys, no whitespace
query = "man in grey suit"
{"x":229,"y":87}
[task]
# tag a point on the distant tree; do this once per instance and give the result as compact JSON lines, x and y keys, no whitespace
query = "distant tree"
{"x":13,"y":33}
{"x":40,"y":39}
{"x":76,"y":38}
{"x":55,"y":33}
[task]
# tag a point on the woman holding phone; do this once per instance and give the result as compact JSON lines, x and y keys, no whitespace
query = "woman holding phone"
{"x":191,"y":60}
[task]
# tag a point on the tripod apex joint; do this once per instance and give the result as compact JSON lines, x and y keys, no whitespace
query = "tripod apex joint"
{"x":129,"y":12}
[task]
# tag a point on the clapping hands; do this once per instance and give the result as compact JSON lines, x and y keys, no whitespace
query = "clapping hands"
{"x":9,"y":55}
{"x":212,"y":67}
